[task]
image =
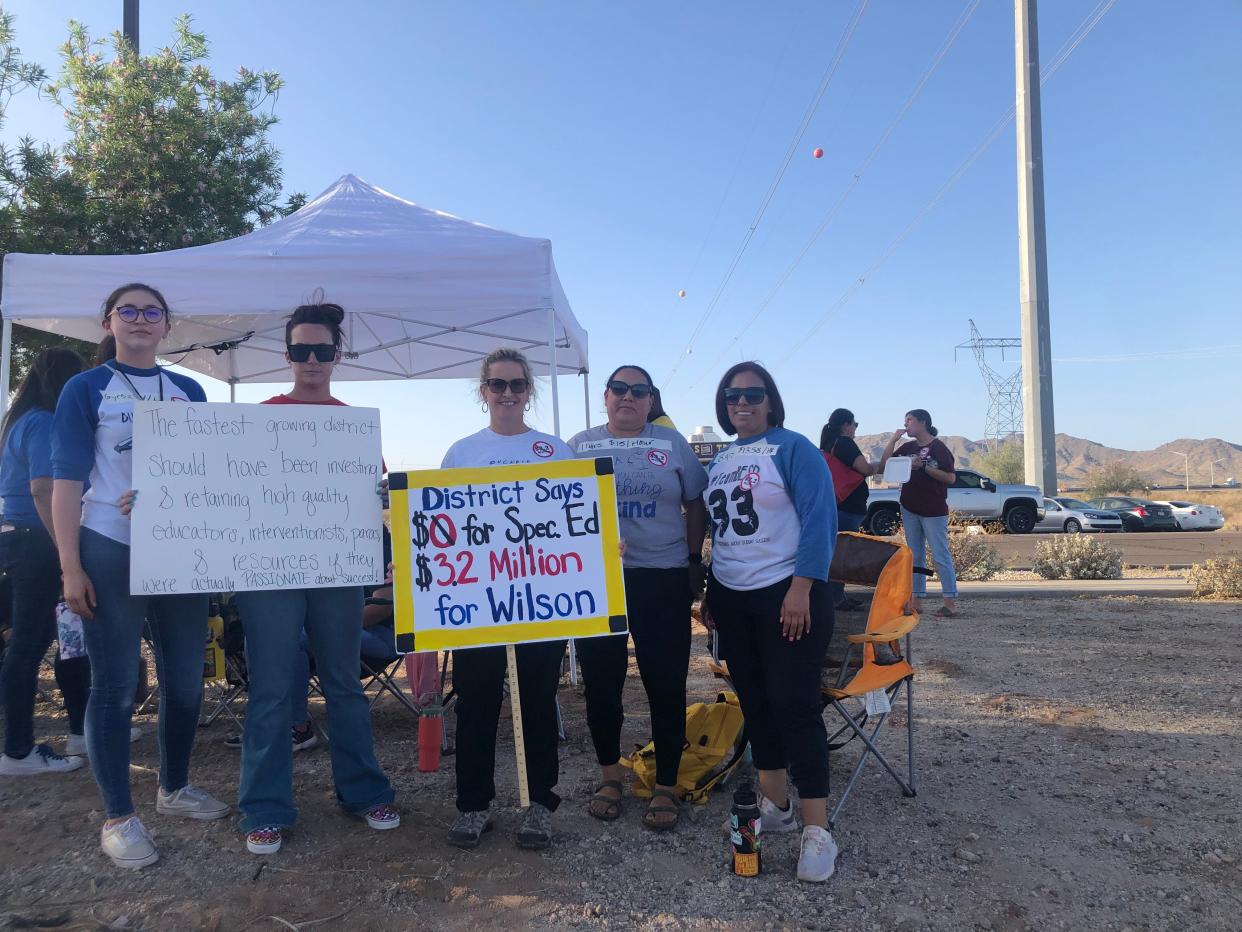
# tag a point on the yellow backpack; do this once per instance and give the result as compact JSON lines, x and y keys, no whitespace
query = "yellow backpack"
{"x":715,"y":745}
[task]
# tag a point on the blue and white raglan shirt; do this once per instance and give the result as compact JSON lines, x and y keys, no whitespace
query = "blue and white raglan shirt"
{"x":772,"y":509}
{"x":93,"y":435}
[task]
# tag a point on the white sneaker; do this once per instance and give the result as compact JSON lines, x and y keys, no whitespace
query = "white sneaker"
{"x":818,"y":859}
{"x":129,"y":844}
{"x":76,"y":744}
{"x":777,"y":820}
{"x":41,"y":759}
{"x":190,"y":802}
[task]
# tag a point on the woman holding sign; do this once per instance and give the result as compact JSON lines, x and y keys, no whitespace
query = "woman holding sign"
{"x":273,"y":621}
{"x":774,"y":523}
{"x":505,"y":390}
{"x":92,"y":438}
{"x":657,"y":475}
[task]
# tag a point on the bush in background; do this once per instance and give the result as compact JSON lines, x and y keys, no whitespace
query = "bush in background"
{"x":1114,"y":479}
{"x":1076,"y":556}
{"x":1217,"y":579}
{"x":974,"y":558}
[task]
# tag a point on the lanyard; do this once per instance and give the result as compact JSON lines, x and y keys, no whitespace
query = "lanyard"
{"x":134,"y":391}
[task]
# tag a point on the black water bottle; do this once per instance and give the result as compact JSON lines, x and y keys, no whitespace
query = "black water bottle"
{"x":744,"y":831}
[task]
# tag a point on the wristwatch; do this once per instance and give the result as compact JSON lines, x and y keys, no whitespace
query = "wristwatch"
{"x":696,"y":559}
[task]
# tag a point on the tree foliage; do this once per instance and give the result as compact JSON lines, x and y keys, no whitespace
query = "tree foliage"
{"x":161,"y":154}
{"x":1115,"y":479}
{"x":1003,"y":463}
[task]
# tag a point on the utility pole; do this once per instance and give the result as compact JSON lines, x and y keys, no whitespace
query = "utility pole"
{"x":1039,"y":432}
{"x":130,"y":24}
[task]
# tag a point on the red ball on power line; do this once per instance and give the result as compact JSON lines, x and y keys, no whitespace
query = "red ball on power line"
{"x":818,"y":153}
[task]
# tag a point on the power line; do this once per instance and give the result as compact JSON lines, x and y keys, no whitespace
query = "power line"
{"x":914,"y":95}
{"x":794,"y":145}
{"x":1076,"y":38}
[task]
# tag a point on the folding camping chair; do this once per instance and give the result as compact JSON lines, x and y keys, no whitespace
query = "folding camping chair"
{"x":869,"y":561}
{"x":222,"y":694}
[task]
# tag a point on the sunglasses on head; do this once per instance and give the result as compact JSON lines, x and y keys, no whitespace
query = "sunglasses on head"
{"x":301,"y":352}
{"x":753,"y":396}
{"x":152,"y":313}
{"x":498,"y":386}
{"x":639,"y":390}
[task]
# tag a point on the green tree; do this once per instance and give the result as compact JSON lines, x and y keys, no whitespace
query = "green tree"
{"x":1003,"y":463}
{"x":1114,"y":479}
{"x":161,"y":154}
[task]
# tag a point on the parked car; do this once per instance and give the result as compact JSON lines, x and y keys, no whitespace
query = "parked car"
{"x":1192,"y":517}
{"x":1018,"y":508}
{"x":1137,"y":514}
{"x":1072,"y":516}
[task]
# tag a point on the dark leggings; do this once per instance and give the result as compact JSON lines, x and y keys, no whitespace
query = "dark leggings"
{"x":777,"y":680}
{"x":658,"y":604}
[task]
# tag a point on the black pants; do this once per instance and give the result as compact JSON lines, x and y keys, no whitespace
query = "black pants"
{"x":479,"y":676}
{"x":658,"y":604}
{"x":778,"y":680}
{"x":29,"y":559}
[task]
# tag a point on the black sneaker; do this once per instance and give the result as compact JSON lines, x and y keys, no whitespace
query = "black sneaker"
{"x":469,"y":828}
{"x":234,"y":742}
{"x":535,"y":832}
{"x":304,"y":740}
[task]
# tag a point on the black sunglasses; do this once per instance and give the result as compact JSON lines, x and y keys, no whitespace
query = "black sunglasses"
{"x":301,"y":352}
{"x":639,"y":390}
{"x":753,"y":396}
{"x":498,"y":386}
{"x":152,"y":314}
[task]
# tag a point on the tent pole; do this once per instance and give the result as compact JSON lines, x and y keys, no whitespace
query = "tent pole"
{"x":586,"y":394}
{"x":6,"y":351}
{"x":232,"y":391}
{"x":556,"y":400}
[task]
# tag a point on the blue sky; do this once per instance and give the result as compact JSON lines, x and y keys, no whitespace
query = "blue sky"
{"x":640,"y":138}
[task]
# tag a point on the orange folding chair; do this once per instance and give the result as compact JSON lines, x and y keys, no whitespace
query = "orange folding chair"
{"x":885,"y":668}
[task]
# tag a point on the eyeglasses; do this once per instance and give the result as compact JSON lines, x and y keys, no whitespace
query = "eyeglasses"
{"x":753,"y":396}
{"x":301,"y":352}
{"x":152,"y":314}
{"x":639,"y":390}
{"x":498,"y":386}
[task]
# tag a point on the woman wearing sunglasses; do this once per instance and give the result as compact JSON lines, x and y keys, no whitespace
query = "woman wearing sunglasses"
{"x":774,"y":523}
{"x":92,"y":438}
{"x":505,"y":391}
{"x":332,"y":618}
{"x":657,"y":475}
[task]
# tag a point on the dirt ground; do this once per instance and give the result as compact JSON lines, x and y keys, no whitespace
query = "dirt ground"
{"x":1079,"y":768}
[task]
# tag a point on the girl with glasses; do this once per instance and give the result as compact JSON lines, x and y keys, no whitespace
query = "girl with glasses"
{"x":332,"y":618}
{"x":92,"y":438}
{"x":505,"y":391}
{"x":657,"y":475}
{"x":774,"y":523}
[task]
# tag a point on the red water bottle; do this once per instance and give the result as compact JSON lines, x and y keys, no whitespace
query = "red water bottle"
{"x":430,"y":728}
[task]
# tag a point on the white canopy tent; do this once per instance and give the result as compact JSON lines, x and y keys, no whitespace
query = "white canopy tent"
{"x":426,"y":294}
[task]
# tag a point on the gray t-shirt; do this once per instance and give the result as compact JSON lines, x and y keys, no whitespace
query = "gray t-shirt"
{"x":655,"y":472}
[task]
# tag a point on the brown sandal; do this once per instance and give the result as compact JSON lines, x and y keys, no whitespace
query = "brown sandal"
{"x":612,"y":804}
{"x":657,"y":818}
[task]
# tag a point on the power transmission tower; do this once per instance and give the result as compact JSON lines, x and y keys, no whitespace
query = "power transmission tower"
{"x":1004,"y":391}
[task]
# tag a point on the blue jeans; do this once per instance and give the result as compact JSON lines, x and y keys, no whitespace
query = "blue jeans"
{"x":273,"y":622}
{"x":378,"y":643}
{"x":178,"y":625}
{"x":922,"y":533}
{"x":846,"y":521}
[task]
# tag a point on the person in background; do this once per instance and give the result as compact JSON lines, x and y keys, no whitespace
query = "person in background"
{"x":28,"y":557}
{"x":925,"y":504}
{"x":92,"y":438}
{"x":506,"y":389}
{"x":657,"y":475}
{"x":850,"y":469}
{"x":332,"y":617}
{"x":657,"y":414}
{"x":774,"y":525}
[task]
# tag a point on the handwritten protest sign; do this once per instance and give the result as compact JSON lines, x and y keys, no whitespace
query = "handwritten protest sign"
{"x":237,"y":497}
{"x":506,"y":554}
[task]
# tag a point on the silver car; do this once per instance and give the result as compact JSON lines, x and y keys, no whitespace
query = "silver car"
{"x":1070,"y":516}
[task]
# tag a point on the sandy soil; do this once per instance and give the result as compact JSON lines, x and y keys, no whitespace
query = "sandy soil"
{"x":1079,"y":769}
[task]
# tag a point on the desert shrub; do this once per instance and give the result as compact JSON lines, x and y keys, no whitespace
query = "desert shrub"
{"x":1217,"y":579}
{"x":1076,"y":556}
{"x":974,"y":559}
{"x":1114,"y":479}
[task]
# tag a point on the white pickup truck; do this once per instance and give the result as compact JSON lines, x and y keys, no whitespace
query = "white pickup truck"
{"x":1017,"y":508}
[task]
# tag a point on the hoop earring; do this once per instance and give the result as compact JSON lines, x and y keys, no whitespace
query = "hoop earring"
{"x":527,"y":407}
{"x":483,"y":407}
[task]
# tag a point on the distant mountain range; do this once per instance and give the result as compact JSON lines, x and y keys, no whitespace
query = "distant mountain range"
{"x":1077,"y":457}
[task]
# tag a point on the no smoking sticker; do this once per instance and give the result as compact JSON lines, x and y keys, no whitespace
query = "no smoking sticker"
{"x":657,"y":457}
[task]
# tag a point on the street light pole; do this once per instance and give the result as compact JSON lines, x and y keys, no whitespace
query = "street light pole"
{"x":1186,"y":457}
{"x":130,"y":24}
{"x":1212,"y":466}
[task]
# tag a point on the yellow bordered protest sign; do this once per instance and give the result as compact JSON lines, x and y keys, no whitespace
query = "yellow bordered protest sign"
{"x":506,"y":554}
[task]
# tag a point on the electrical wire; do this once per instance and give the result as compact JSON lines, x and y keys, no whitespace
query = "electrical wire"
{"x":794,"y":145}
{"x":1076,"y":38}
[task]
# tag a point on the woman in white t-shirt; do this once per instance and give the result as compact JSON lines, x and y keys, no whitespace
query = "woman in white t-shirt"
{"x":505,"y":389}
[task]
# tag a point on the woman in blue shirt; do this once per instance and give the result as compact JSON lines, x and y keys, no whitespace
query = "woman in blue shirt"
{"x":774,"y":524}
{"x":28,"y":556}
